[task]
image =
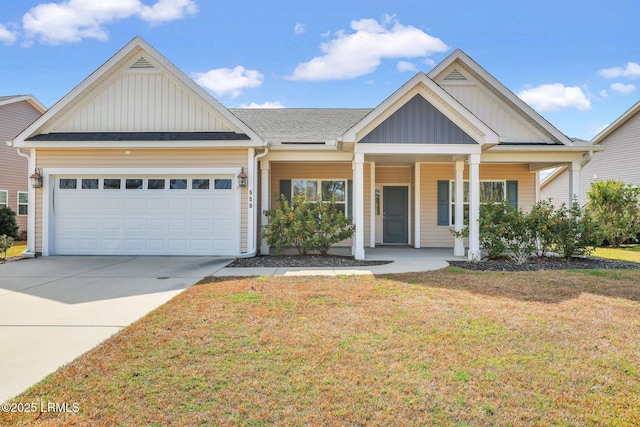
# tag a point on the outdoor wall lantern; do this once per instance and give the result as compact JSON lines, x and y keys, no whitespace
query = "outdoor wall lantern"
{"x":36,"y":179}
{"x":242,"y":178}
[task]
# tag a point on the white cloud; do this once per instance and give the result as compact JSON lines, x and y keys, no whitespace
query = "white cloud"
{"x":631,"y":70}
{"x":268,"y":104}
{"x":299,"y":28}
{"x":228,"y":81}
{"x":167,"y":11}
{"x":7,"y":36}
{"x":352,"y":55}
{"x":554,"y":97}
{"x":404,"y":66}
{"x":325,"y":34}
{"x":604,"y":94}
{"x":623,"y":88}
{"x":73,"y":20}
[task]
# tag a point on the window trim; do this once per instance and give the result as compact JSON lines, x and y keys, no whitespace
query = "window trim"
{"x":452,"y":212}
{"x":22,"y":204}
{"x":319,"y":182}
{"x":6,"y":198}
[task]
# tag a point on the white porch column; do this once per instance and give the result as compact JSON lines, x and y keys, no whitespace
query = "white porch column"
{"x":265,"y":184}
{"x":31,"y":209}
{"x":358,"y":199}
{"x":474,"y":206}
{"x":458,"y":248}
{"x":372,"y":220}
{"x":416,"y":206}
{"x":537,"y":187}
{"x":251,"y":202}
{"x":574,"y":182}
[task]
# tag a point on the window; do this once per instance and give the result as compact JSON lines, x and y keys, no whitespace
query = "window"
{"x":68,"y":184}
{"x":23,"y":203}
{"x":155,"y":184}
{"x":199,"y":184}
{"x":178,"y":184}
{"x":90,"y":184}
{"x":111,"y":184}
{"x":133,"y":184}
{"x":3,"y":199}
{"x":315,"y":190}
{"x":222,"y":184}
{"x":490,"y":191}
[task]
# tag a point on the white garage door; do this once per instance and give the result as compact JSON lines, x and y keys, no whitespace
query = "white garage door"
{"x":145,"y":215}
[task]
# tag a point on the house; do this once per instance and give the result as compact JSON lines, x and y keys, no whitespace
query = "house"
{"x":16,"y":113}
{"x":138,"y":159}
{"x":619,"y":161}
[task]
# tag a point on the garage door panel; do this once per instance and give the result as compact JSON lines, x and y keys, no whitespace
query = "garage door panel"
{"x":145,"y":221}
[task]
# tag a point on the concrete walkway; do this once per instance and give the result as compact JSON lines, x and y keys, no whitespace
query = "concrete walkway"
{"x":53,"y":309}
{"x":405,"y":260}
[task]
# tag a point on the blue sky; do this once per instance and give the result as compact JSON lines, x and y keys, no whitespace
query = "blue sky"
{"x":575,"y":62}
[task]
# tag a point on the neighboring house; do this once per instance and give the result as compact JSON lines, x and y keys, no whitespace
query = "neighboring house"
{"x":138,"y":159}
{"x":620,"y":160}
{"x":16,"y":113}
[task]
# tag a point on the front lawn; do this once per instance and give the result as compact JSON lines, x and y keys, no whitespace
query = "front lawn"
{"x":450,"y":347}
{"x":17,"y":249}
{"x":624,"y":253}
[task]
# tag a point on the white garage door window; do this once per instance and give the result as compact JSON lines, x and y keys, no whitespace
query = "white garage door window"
{"x":145,"y":215}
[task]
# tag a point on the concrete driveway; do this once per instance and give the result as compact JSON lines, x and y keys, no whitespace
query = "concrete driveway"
{"x":53,"y":309}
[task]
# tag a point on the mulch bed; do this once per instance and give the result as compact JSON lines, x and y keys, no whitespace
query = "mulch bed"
{"x":537,"y":264}
{"x":303,"y":261}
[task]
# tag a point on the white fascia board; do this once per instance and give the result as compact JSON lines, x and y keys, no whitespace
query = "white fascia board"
{"x":544,"y":148}
{"x":29,"y":98}
{"x":309,"y":156}
{"x":136,"y":144}
{"x":48,"y":172}
{"x":440,"y":98}
{"x":459,"y":56}
{"x":515,"y":157}
{"x":377,"y":148}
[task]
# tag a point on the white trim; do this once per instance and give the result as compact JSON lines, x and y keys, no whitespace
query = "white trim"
{"x":6,"y":198}
{"x":616,"y":124}
{"x":458,"y":246}
{"x":251,"y":203}
{"x":416,"y":214}
{"x":18,"y":203}
{"x":29,"y":98}
{"x":31,"y":218}
{"x":48,"y":188}
{"x":307,"y":156}
{"x":371,"y":148}
{"x":574,"y":182}
{"x":88,"y":145}
{"x":474,"y":207}
{"x":455,"y":181}
{"x":358,"y":199}
{"x":265,"y":170}
{"x":319,"y":189}
{"x":372,"y":197}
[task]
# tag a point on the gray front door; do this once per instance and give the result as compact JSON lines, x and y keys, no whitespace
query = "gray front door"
{"x":395,"y":222}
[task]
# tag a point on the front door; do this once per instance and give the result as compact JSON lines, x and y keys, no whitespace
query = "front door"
{"x":395,"y":222}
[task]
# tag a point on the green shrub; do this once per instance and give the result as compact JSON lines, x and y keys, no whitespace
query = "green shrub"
{"x":8,"y":224}
{"x":540,"y":219}
{"x":574,"y":232}
{"x":615,"y":206}
{"x":5,"y":244}
{"x":306,"y":226}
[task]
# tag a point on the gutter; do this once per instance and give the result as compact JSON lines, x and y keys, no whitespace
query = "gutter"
{"x":254,"y":250}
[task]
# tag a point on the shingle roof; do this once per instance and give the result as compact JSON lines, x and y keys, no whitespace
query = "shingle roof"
{"x":300,"y":124}
{"x":140,"y":136}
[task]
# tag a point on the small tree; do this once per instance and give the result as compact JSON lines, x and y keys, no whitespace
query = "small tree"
{"x":615,"y":206}
{"x":5,"y":244}
{"x":8,"y":224}
{"x":575,"y":233}
{"x":306,"y":226}
{"x":540,"y":218}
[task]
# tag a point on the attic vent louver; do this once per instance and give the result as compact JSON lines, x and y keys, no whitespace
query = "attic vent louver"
{"x":142,"y":63}
{"x":455,"y":76}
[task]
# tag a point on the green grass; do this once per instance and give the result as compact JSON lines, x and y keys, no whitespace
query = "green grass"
{"x":17,"y":249}
{"x":625,"y":253}
{"x":445,"y":348}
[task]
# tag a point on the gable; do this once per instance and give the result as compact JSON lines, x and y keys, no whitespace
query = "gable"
{"x":487,"y":106}
{"x":141,"y":96}
{"x":418,"y":122}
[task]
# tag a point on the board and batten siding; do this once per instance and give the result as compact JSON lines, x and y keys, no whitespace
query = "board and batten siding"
{"x":434,"y":236}
{"x":619,"y":161}
{"x":143,"y":103}
{"x":143,"y":158}
{"x":14,"y":176}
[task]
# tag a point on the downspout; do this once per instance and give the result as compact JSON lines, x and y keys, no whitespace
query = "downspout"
{"x":31,"y":212}
{"x":254,"y":249}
